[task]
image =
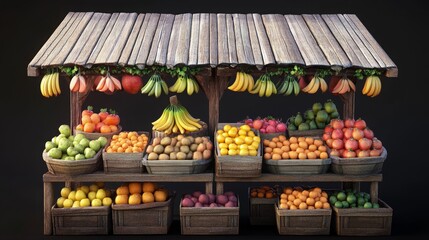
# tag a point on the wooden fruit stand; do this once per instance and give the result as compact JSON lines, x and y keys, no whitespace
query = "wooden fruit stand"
{"x":218,"y":45}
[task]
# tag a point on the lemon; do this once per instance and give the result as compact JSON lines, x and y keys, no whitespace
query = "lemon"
{"x":257,"y":139}
{"x":225,"y":134}
{"x":250,"y":134}
{"x":255,"y":145}
{"x":220,"y":139}
{"x":244,"y":152}
{"x":238,"y":141}
{"x":232,"y":146}
{"x":229,"y":140}
{"x":251,"y":147}
{"x":227,"y":127}
{"x":242,"y":132}
{"x":248,"y":140}
{"x":253,"y":152}
{"x":244,"y":146}
{"x":232,"y":152}
{"x":223,"y":145}
{"x":223,"y":151}
{"x":245,"y":127}
{"x":232,"y":132}
{"x":60,"y":201}
{"x":219,"y":132}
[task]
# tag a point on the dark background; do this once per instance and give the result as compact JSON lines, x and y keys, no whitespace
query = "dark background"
{"x":398,"y":116}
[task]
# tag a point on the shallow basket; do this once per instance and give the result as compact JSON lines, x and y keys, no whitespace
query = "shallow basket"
{"x":124,"y":162}
{"x":303,"y":222}
{"x":237,"y":166}
{"x":147,"y":218}
{"x":94,"y":136}
{"x":364,"y":222}
{"x":176,"y":167}
{"x":72,"y":167}
{"x":289,"y":166}
{"x":306,"y":133}
{"x":200,"y":133}
{"x":81,"y":220}
{"x":358,"y":166}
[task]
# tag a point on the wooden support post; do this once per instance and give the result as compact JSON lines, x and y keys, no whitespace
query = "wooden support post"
{"x":219,"y":187}
{"x":349,"y":104}
{"x":374,"y":192}
{"x":209,"y":187}
{"x":48,"y":202}
{"x":76,"y":101}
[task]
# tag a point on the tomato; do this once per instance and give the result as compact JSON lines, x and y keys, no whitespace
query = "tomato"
{"x":112,"y":119}
{"x":103,"y":114}
{"x":348,"y":133}
{"x":349,"y":123}
{"x":363,"y":153}
{"x":87,"y":112}
{"x":357,"y":134}
{"x":365,"y":144}
{"x":338,"y":144}
{"x":349,"y":154}
{"x":376,"y":144}
{"x":337,"y":134}
{"x":98,"y":126}
{"x":328,"y":129}
{"x":368,"y":133}
{"x":337,"y":123}
{"x":375,"y":152}
{"x":351,"y":144}
{"x":361,"y":124}
{"x":326,"y":136}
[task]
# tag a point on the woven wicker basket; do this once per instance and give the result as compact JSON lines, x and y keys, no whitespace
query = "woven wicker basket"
{"x":72,"y":167}
{"x":94,"y":136}
{"x":358,"y":166}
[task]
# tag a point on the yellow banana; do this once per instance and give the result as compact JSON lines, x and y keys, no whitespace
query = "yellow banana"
{"x":167,"y":123}
{"x":240,"y":83}
{"x":182,"y":85}
{"x":190,"y":86}
{"x":53,"y":84}
{"x":310,"y":85}
{"x":235,"y":84}
{"x":176,"y":120}
{"x":161,"y":119}
{"x":323,"y":85}
{"x":185,"y":124}
{"x":251,"y":82}
{"x":273,"y":87}
{"x":57,"y":83}
{"x":175,"y":128}
{"x":315,"y":86}
{"x":196,"y":87}
{"x":245,"y":79}
{"x":49,"y":85}
{"x":366,"y":86}
{"x":372,"y":87}
{"x":268,"y":89}
{"x":256,"y":87}
{"x":262,"y":88}
{"x":378,"y":87}
{"x":175,"y":85}
{"x":42,"y":83}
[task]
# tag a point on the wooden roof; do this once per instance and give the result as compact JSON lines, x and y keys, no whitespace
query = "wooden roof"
{"x":227,"y":40}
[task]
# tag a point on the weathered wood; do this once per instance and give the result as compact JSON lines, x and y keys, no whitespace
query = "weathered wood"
{"x":245,"y":37}
{"x":128,"y":177}
{"x":195,"y":34}
{"x":241,"y":56}
{"x":76,"y":101}
{"x":213,"y":40}
{"x":48,"y":202}
{"x":72,"y":167}
{"x":264,"y":42}
{"x":209,"y":187}
{"x":358,"y":166}
{"x":174,"y":38}
{"x":219,"y":187}
{"x":256,"y":49}
{"x":291,"y":45}
{"x":261,"y":210}
{"x":305,"y":222}
{"x":348,"y":104}
{"x":147,"y":40}
{"x":289,"y":166}
{"x":204,"y":40}
{"x":326,"y":41}
{"x":183,"y":41}
{"x":122,"y":38}
{"x":329,"y":177}
{"x":309,"y":49}
{"x":81,"y":221}
{"x":155,"y":41}
{"x":222,"y":39}
{"x":231,"y":40}
{"x":161,"y":55}
{"x":128,"y":48}
{"x":176,"y":167}
{"x":136,"y":49}
{"x":374,"y":192}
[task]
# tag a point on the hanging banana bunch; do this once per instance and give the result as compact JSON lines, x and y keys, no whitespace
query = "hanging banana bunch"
{"x":50,"y":84}
{"x":264,"y":86}
{"x":372,"y":86}
{"x":185,"y":81}
{"x":317,"y":82}
{"x":155,"y":86}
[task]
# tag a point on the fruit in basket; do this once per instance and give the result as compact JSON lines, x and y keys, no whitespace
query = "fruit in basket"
{"x":303,"y":199}
{"x":351,"y":138}
{"x":239,"y":140}
{"x":315,"y":118}
{"x":128,"y":142}
{"x":263,"y":192}
{"x":65,"y":129}
{"x":266,"y":125}
{"x":101,"y":122}
{"x":180,"y":148}
{"x":198,"y":199}
{"x":281,"y":148}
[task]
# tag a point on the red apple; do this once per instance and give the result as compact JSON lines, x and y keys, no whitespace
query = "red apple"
{"x":329,"y":142}
{"x":363,"y":153}
{"x":375,"y":152}
{"x":338,"y":144}
{"x":368,"y":133}
{"x":328,"y":129}
{"x":348,"y":133}
{"x":349,"y":154}
{"x":132,"y":83}
{"x":257,"y":124}
{"x":376,"y":144}
{"x":271,"y":129}
{"x":365,"y":144}
{"x":337,"y":134}
{"x":349,"y":123}
{"x":361,"y":124}
{"x":351,"y":144}
{"x":326,"y":136}
{"x":357,"y":134}
{"x":337,"y":123}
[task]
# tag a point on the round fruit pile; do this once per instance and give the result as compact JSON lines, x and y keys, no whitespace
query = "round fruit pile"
{"x":263,"y":192}
{"x":128,"y":142}
{"x":315,"y":118}
{"x":350,"y":199}
{"x":198,"y":199}
{"x":279,"y":148}
{"x":237,"y":141}
{"x":266,"y":125}
{"x":180,"y":148}
{"x":350,"y":139}
{"x":298,"y":198}
{"x":68,"y":147}
{"x":102,"y":122}
{"x":94,"y":195}
{"x":136,"y":193}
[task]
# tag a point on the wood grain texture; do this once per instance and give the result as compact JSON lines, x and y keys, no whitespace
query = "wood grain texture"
{"x":245,"y":37}
{"x":254,"y":41}
{"x":128,"y":48}
{"x":232,"y":48}
{"x":161,"y":55}
{"x":81,"y":221}
{"x":183,"y":43}
{"x":241,"y":56}
{"x":48,"y":201}
{"x":136,"y":49}
{"x":175,"y":33}
{"x":155,"y":41}
{"x":204,"y":40}
{"x":147,"y":40}
{"x":122,"y":39}
{"x":195,"y":34}
{"x":329,"y":177}
{"x":292,"y":47}
{"x":213,"y":40}
{"x":264,"y":42}
{"x":222,"y":39}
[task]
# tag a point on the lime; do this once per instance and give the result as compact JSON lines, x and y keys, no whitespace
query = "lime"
{"x":375,"y":205}
{"x":345,"y":204}
{"x":341,"y":196}
{"x":338,"y":204}
{"x":332,"y":200}
{"x":353,"y":205}
{"x":367,"y":205}
{"x":351,"y":198}
{"x":360,"y":201}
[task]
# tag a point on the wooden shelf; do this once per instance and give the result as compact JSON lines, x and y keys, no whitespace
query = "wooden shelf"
{"x":128,"y":177}
{"x":266,"y":177}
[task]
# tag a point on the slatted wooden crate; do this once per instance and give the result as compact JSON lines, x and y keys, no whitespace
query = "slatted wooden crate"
{"x":291,"y":166}
{"x":364,"y":222}
{"x":81,"y":221}
{"x":303,"y":222}
{"x":209,"y":221}
{"x":261,"y":210}
{"x":306,"y":133}
{"x":148,"y":218}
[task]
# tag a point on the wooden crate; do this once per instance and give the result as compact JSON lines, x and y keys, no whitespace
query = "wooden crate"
{"x":95,"y":135}
{"x":210,"y":221}
{"x":261,"y":211}
{"x":358,"y":166}
{"x":290,"y":166}
{"x":148,"y":218}
{"x":303,"y":222}
{"x":237,"y":166}
{"x":270,"y":136}
{"x":81,"y":221}
{"x":176,"y":167}
{"x":364,"y":222}
{"x":72,"y":167}
{"x":124,"y":162}
{"x":307,"y":133}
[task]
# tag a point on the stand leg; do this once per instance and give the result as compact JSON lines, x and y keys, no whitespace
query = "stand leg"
{"x":349,"y":104}
{"x":374,"y":192}
{"x":209,"y":187}
{"x":219,"y":187}
{"x":48,"y":201}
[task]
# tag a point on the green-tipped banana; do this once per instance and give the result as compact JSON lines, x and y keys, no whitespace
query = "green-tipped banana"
{"x":296,"y":88}
{"x":289,"y":88}
{"x":189,"y":86}
{"x":164,"y":87}
{"x":148,"y":87}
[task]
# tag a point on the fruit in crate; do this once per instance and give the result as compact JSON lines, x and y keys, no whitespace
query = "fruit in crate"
{"x":351,"y":199}
{"x":198,"y":199}
{"x":102,"y":122}
{"x":69,"y":147}
{"x":351,"y":138}
{"x":303,"y":199}
{"x":176,"y":119}
{"x":266,"y":125}
{"x":94,"y":195}
{"x":315,"y":118}
{"x":280,"y":148}
{"x":135,"y":193}
{"x":128,"y":142}
{"x":263,"y":192}
{"x":237,"y":141}
{"x":180,"y":148}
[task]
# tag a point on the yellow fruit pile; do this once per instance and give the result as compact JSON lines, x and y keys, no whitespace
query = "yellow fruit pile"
{"x":128,"y":142}
{"x":237,"y":141}
{"x":299,"y":198}
{"x":295,"y":148}
{"x":94,"y":195}
{"x":137,"y":193}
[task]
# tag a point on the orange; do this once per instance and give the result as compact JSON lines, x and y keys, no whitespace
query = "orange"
{"x":317,"y":152}
{"x":284,"y":206}
{"x":266,"y":142}
{"x":293,"y":207}
{"x":326,"y":205}
{"x":295,"y":193}
{"x":122,"y":190}
{"x":302,"y":206}
{"x":323,"y":155}
{"x":310,"y":208}
{"x":309,"y":140}
{"x":282,"y":138}
{"x":268,"y":150}
{"x":277,"y":156}
{"x":289,"y":203}
{"x":313,"y":194}
{"x":302,"y":156}
{"x":269,"y":195}
{"x":275,"y":139}
{"x":135,"y":187}
{"x":301,"y":139}
{"x":318,"y":142}
{"x":291,"y":197}
{"x":267,"y":156}
{"x":279,"y":144}
{"x":293,"y":140}
{"x":285,"y":155}
{"x":293,"y":155}
{"x":302,"y":198}
{"x":293,"y":146}
{"x":149,"y":187}
{"x":283,"y":201}
{"x":121,"y":199}
{"x":318,"y":205}
{"x":135,"y":199}
{"x":312,"y":147}
{"x":324,"y":194}
{"x":303,"y":145}
{"x":288,"y":190}
{"x":311,"y":155}
{"x":285,"y":148}
{"x":283,"y":196}
{"x":322,"y":148}
{"x":310,"y":201}
{"x":86,"y":119}
{"x":296,"y":202}
{"x":300,"y":150}
{"x":323,"y":199}
{"x":317,"y":189}
{"x":261,"y":194}
{"x":286,"y":143}
{"x":160,"y":196}
{"x":277,"y":150}
{"x":272,"y":145}
{"x":305,"y":193}
{"x":148,"y":197}
{"x":254,"y":194}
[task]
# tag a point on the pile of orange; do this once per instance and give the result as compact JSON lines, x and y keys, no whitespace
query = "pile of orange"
{"x":298,"y":198}
{"x":279,"y":148}
{"x":136,"y":193}
{"x":128,"y":142}
{"x":263,"y":192}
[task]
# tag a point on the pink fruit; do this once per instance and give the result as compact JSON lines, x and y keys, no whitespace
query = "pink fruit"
{"x":348,"y":133}
{"x":221,"y":199}
{"x":375,"y":152}
{"x":248,"y":121}
{"x":194,"y":199}
{"x":361,"y":124}
{"x":271,"y":129}
{"x":213,"y":205}
{"x":257,"y":124}
{"x":337,"y":134}
{"x":203,"y":199}
{"x":357,"y":134}
{"x":365,"y":144}
{"x":272,"y":122}
{"x":230,"y":204}
{"x":335,"y":152}
{"x":326,"y":136}
{"x":363,"y":153}
{"x":198,"y":204}
{"x":349,"y":123}
{"x":263,"y":130}
{"x":186,"y":202}
{"x":212,"y":197}
{"x":338,"y":144}
{"x":349,"y":154}
{"x":376,"y":144}
{"x":368,"y":133}
{"x":197,"y":194}
{"x":337,"y":124}
{"x":351,"y":144}
{"x":232,"y":198}
{"x":328,"y":129}
{"x":281,"y":127}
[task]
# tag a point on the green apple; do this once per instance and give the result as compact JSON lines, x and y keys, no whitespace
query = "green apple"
{"x":54,"y":140}
{"x":84,"y":142}
{"x":96,"y":202}
{"x":79,"y":148}
{"x":71,"y":151}
{"x":367,"y":205}
{"x":71,"y":138}
{"x":68,"y":203}
{"x":65,"y":191}
{"x":63,"y":144}
{"x":89,"y":153}
{"x":102,"y":141}
{"x":79,"y":156}
{"x":375,"y":205}
{"x":79,"y":195}
{"x":95,"y":145}
{"x":55,"y":153}
{"x":60,"y":202}
{"x":65,"y":129}
{"x":107,"y":201}
{"x":79,"y":137}
{"x":63,"y":157}
{"x":85,"y":202}
{"x":49,"y":145}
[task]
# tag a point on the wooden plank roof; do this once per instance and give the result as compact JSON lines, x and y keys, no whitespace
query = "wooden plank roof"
{"x":207,"y":39}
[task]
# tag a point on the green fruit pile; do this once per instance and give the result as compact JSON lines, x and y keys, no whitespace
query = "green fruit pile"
{"x":350,"y":199}
{"x":315,"y":118}
{"x":68,"y":147}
